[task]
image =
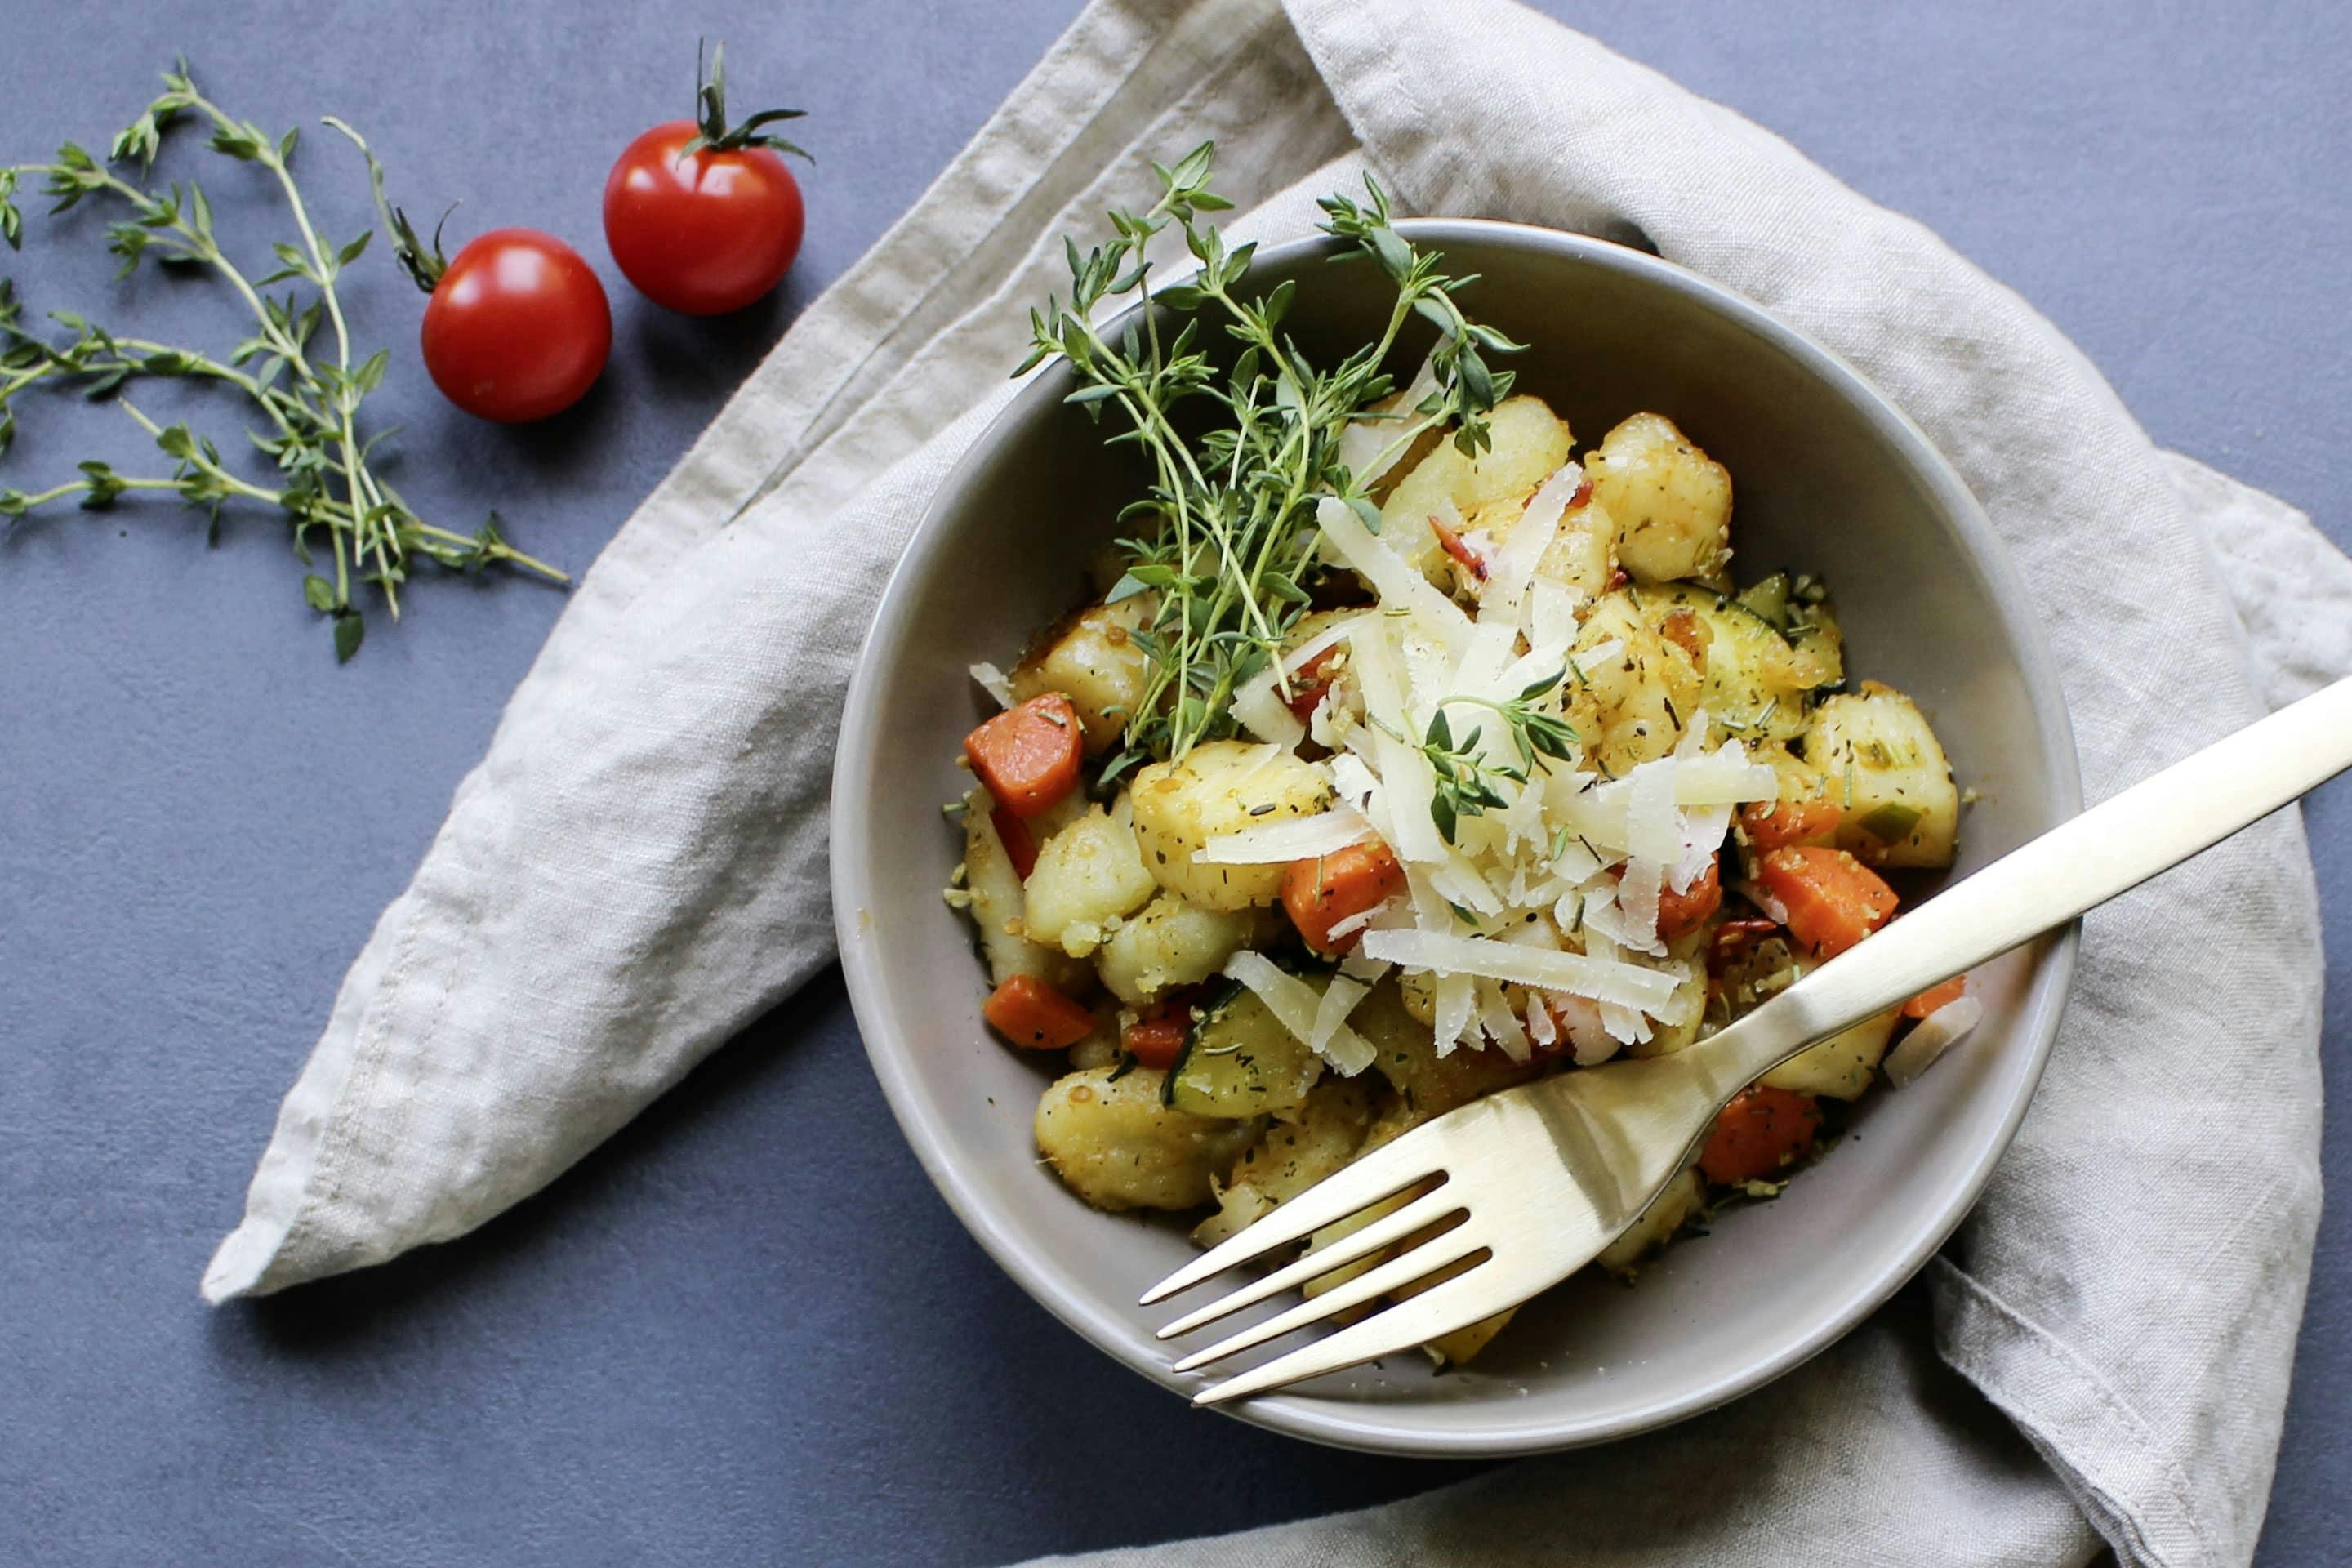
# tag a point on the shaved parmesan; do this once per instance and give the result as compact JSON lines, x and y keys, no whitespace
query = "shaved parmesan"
{"x":1343,"y":929}
{"x":1258,"y":707}
{"x":1514,"y":564}
{"x":1501,"y":1025}
{"x":1330,"y":636}
{"x":1946,"y":1026}
{"x":1281,"y":842}
{"x":991,"y":680}
{"x":1295,"y":1005}
{"x":1624,"y":984}
{"x":1390,"y":576}
{"x":1340,"y":999}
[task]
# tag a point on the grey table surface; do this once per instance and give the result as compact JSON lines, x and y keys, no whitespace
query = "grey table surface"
{"x":748,"y":1330}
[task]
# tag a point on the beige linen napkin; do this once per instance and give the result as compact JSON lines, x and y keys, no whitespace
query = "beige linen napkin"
{"x":637,"y":868}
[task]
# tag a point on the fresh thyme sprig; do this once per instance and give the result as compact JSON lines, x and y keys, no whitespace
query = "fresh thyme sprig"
{"x":1534,"y":732}
{"x":1463,"y":777}
{"x":1464,"y":786}
{"x":1231,"y":558}
{"x":309,"y":394}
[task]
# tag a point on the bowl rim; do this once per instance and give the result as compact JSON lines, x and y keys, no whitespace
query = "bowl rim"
{"x":1389,"y":1427}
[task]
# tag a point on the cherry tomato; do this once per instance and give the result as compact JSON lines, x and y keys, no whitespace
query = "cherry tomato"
{"x":701,"y":216}
{"x":518,"y":327}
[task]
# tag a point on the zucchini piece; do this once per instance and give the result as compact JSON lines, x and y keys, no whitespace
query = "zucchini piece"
{"x":1239,"y":1060}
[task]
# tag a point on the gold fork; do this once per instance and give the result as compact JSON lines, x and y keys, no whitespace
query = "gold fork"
{"x":1533,"y":1183}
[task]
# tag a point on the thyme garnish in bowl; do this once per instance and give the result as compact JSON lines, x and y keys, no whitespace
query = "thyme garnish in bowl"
{"x":1234,"y":552}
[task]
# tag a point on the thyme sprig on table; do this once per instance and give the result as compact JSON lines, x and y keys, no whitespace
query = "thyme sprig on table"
{"x":1231,"y":559}
{"x":308,"y":392}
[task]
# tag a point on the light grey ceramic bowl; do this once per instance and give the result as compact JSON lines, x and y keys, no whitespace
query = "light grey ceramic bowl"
{"x":1829,"y":477}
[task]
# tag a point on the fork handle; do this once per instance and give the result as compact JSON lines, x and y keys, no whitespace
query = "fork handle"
{"x":2104,"y":852}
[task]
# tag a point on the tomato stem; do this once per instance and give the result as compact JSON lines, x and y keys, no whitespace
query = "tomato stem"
{"x":713,"y":133}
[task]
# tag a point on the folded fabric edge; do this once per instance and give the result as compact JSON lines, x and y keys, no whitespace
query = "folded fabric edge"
{"x":2133,"y":1495}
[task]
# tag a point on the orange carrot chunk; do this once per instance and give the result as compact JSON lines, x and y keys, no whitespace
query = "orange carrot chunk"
{"x":1776,"y":824}
{"x":1936,"y":996}
{"x":1157,"y":1038}
{"x":1833,"y":899}
{"x":1758,"y":1134}
{"x":1036,"y":1016}
{"x":1679,"y":914}
{"x":1322,"y":891}
{"x":1028,"y":756}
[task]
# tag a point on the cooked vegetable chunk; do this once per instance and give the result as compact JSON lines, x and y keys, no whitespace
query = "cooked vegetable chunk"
{"x":1027,"y":757}
{"x":1833,"y":899}
{"x":1087,"y":876}
{"x":1323,"y":890}
{"x":1754,"y":683}
{"x":1093,"y":659}
{"x":1529,"y":444}
{"x":1672,"y":502}
{"x":1110,"y":1137}
{"x":1840,"y":1068}
{"x":1667,"y":1213}
{"x":1760,"y":1132}
{"x":1239,"y":1060}
{"x":1221,"y":787}
{"x":1036,"y":1017}
{"x":1630,"y":707}
{"x":1299,"y":1148}
{"x":997,"y":902}
{"x":1173,"y":941}
{"x":1875,"y":746}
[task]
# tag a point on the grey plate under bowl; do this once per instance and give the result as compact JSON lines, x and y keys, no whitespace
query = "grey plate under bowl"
{"x":1831,"y":477}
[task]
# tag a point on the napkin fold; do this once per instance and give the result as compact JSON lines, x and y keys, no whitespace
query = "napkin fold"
{"x":636,"y":869}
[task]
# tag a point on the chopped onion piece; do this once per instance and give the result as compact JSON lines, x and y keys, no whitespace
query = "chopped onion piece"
{"x":1774,"y":911}
{"x":991,"y":680}
{"x":1927,"y":1039}
{"x":1295,"y":1005}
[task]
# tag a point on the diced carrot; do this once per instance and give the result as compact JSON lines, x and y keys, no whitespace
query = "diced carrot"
{"x":1309,"y":685}
{"x":1936,"y":996}
{"x":1758,"y":1133}
{"x":1028,"y":756}
{"x":1157,"y":1038}
{"x":1776,"y":824}
{"x":1679,"y":914}
{"x":1324,"y":890}
{"x":1036,"y":1016}
{"x":1453,"y":545}
{"x":1582,"y":497}
{"x":1020,"y":843}
{"x":1833,"y":899}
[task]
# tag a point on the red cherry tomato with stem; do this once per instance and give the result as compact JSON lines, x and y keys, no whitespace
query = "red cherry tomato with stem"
{"x":703,"y":217}
{"x":518,"y":327}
